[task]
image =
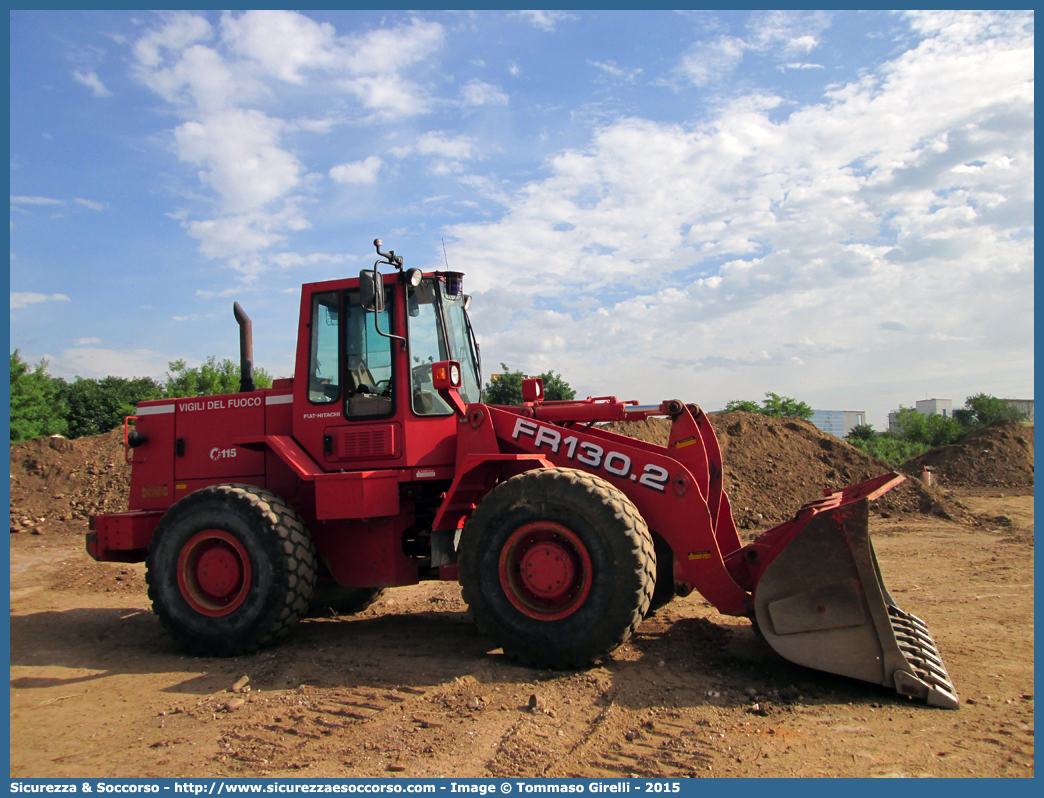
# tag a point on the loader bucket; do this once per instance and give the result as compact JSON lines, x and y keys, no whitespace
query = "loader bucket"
{"x":820,"y":601}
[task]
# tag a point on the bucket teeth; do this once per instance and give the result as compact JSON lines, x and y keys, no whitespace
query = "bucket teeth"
{"x":927,"y":677}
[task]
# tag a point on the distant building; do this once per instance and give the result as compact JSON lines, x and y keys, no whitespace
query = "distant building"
{"x":935,"y":407}
{"x":1024,"y":406}
{"x":838,"y":422}
{"x":926,"y":407}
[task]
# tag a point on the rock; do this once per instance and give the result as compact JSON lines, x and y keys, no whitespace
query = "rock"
{"x":60,"y":443}
{"x":36,"y":531}
{"x":396,"y":768}
{"x":234,"y":704}
{"x":536,"y":703}
{"x":240,"y":684}
{"x":475,"y":703}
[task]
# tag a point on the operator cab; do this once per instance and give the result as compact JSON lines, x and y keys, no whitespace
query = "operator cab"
{"x":367,"y":379}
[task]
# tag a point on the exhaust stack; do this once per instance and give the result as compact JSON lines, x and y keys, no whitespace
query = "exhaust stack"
{"x":246,"y":350}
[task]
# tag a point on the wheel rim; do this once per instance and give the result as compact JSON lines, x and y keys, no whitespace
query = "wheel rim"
{"x":545,"y":571}
{"x":214,"y":572}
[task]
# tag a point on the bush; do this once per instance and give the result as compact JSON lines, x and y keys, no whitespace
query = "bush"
{"x":97,"y":406}
{"x":893,"y":451}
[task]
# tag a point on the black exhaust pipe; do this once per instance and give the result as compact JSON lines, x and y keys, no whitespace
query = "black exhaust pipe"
{"x":246,"y":350}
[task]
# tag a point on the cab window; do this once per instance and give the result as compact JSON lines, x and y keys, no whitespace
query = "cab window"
{"x":324,"y":353}
{"x":368,"y":360}
{"x":427,"y":346}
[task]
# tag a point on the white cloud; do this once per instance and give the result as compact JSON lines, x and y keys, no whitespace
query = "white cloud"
{"x":91,"y":204}
{"x":92,"y":82}
{"x":180,"y":30}
{"x":782,"y":34}
{"x":475,"y":92}
{"x":15,"y":200}
{"x":389,"y":96}
{"x":710,"y":61}
{"x":794,"y":31}
{"x":23,"y":299}
{"x":287,"y":45}
{"x":288,"y":260}
{"x":546,"y":20}
{"x":611,"y":68}
{"x":283,"y":42}
{"x":364,"y":171}
{"x":240,"y":236}
{"x":243,"y":162}
{"x":91,"y":362}
{"x":86,"y":341}
{"x":437,"y":142}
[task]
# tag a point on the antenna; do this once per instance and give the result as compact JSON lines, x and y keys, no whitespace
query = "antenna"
{"x":444,"y":255}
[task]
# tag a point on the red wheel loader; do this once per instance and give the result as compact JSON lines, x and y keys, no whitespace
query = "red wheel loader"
{"x":378,"y":465}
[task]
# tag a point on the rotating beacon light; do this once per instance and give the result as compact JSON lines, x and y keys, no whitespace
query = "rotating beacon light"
{"x":454,"y":284}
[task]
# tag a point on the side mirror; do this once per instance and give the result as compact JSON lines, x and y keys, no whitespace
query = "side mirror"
{"x":371,"y":290}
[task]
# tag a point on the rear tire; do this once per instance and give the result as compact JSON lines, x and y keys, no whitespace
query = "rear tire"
{"x":557,"y":566}
{"x":230,"y":568}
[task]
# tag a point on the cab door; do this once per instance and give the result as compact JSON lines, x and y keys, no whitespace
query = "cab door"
{"x":350,"y":397}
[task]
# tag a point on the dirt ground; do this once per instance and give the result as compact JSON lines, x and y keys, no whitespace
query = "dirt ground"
{"x":410,"y":688}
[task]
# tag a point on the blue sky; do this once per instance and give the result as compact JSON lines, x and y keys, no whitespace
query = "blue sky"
{"x":698,"y":205}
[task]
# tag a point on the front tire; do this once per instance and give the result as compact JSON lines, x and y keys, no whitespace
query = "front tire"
{"x":230,"y":568}
{"x":557,"y":566}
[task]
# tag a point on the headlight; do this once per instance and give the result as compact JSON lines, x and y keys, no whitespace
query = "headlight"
{"x":454,"y":376}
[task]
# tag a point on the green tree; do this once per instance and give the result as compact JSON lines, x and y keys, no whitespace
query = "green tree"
{"x":36,"y":401}
{"x":785,"y":407}
{"x":982,"y":409}
{"x":933,"y":430}
{"x":772,"y":405}
{"x":209,"y":379}
{"x":97,"y":406}
{"x":507,"y":388}
{"x":861,"y":432}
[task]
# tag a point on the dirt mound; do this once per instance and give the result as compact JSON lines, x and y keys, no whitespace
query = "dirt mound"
{"x":997,"y":456}
{"x":775,"y":465}
{"x":56,"y":484}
